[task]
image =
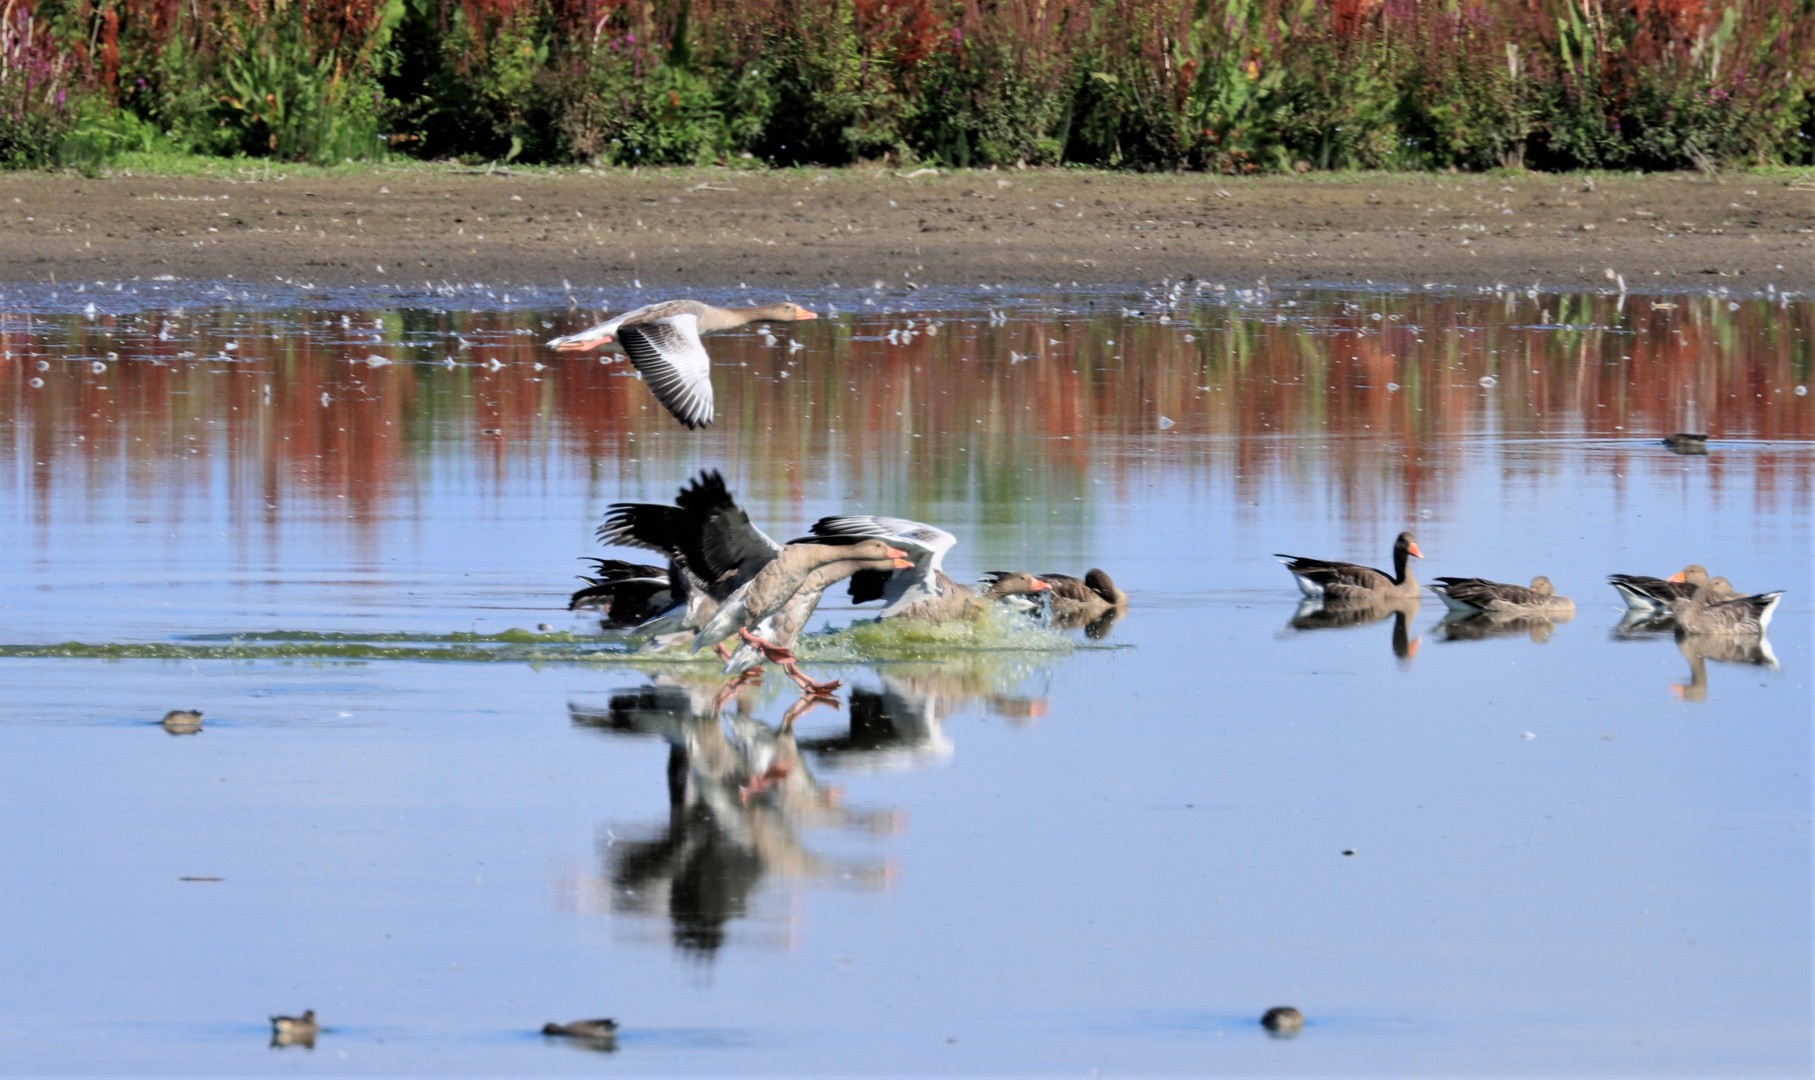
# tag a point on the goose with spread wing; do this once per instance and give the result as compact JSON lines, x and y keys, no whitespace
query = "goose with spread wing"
{"x":1349,"y":583}
{"x":922,"y":591}
{"x":769,"y":611}
{"x":712,"y":549}
{"x":663,"y":342}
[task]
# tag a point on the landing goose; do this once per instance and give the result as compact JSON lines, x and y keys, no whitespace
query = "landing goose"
{"x":923,"y":591}
{"x":663,"y":342}
{"x":807,"y":567}
{"x":1705,"y":614}
{"x":1478,"y":594}
{"x":712,"y":550}
{"x":625,"y":593}
{"x":1348,"y":583}
{"x":920,"y":591}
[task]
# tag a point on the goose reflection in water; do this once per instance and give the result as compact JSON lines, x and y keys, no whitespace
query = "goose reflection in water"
{"x":1698,"y":649}
{"x":738,"y":792}
{"x":901,"y":725}
{"x":1312,"y":615}
{"x":1461,"y":626}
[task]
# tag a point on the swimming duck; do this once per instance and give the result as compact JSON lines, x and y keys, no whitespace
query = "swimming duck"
{"x":182,"y":721}
{"x":1283,"y":1021}
{"x":584,"y":1029}
{"x":1479,"y":594}
{"x":1349,"y":583}
{"x":295,"y":1030}
{"x":663,"y":342}
{"x":1685,"y":443}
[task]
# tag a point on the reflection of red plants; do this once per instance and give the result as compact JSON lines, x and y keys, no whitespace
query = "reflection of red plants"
{"x":945,"y":417}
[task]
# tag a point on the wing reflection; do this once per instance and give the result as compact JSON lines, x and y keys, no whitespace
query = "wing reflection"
{"x":738,"y":793}
{"x":1698,"y":649}
{"x":1463,"y":626}
{"x":1312,"y":615}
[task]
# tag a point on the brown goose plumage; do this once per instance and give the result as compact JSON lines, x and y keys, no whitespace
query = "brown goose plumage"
{"x":767,"y":605}
{"x":1704,"y":614}
{"x":1479,"y":594}
{"x":663,"y":342}
{"x":1349,"y":583}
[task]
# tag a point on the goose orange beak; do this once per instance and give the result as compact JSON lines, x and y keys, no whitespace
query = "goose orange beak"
{"x":902,"y":564}
{"x":801,"y":314}
{"x":1412,"y":550}
{"x":1677,"y":577}
{"x":893,"y":553}
{"x":1039,"y":586}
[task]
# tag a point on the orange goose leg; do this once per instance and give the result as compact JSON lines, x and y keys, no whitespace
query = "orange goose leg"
{"x":785,"y":658}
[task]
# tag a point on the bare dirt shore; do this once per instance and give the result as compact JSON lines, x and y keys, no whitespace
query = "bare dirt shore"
{"x":715,"y":228}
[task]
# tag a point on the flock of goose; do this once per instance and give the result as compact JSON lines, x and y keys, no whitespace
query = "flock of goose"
{"x":726,"y":578}
{"x":1694,"y":603}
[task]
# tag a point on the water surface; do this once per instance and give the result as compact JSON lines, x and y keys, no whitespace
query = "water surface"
{"x":335,"y":523}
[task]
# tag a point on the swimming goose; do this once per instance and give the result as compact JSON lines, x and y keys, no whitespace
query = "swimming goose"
{"x":804,"y":568}
{"x":1348,"y":583}
{"x":663,"y":342}
{"x":1706,"y":614}
{"x":1087,"y":599}
{"x":1643,"y":593}
{"x":712,"y":548}
{"x":1479,"y":594}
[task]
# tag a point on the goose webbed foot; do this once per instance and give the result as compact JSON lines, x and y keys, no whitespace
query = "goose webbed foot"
{"x":773,"y":653}
{"x":723,"y":653}
{"x":811,"y":688}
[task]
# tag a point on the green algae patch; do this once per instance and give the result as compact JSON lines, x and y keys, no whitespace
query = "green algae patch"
{"x":886,"y":640}
{"x":910,"y":639}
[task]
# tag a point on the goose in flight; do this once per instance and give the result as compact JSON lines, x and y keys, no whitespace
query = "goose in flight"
{"x":663,"y":341}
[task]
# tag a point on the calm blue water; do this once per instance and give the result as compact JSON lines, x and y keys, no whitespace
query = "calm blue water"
{"x":1560,"y":852}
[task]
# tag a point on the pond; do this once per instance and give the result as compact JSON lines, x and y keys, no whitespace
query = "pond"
{"x":439,"y":809}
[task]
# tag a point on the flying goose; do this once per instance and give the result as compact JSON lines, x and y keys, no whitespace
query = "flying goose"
{"x":1348,"y":583}
{"x":1478,"y":594}
{"x":663,"y":342}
